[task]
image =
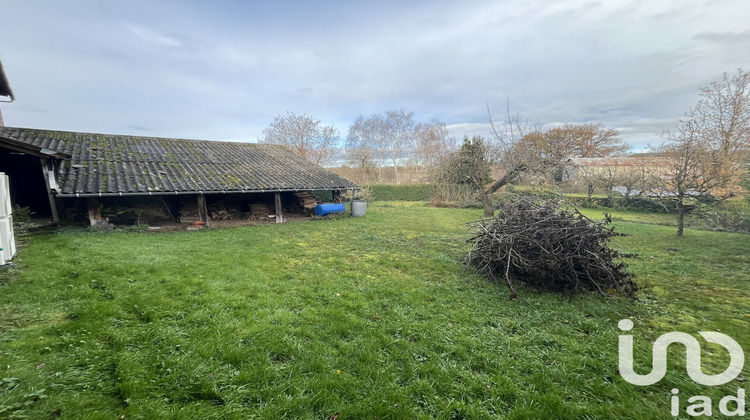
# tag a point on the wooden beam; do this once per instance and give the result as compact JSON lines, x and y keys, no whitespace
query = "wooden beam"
{"x":95,"y":210}
{"x":279,"y":216}
{"x":202,"y":209}
{"x":48,"y":173}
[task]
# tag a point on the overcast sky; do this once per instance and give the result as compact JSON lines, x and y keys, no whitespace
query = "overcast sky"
{"x":222,"y":69}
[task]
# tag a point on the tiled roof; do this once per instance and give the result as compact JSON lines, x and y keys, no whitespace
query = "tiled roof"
{"x":104,"y":163}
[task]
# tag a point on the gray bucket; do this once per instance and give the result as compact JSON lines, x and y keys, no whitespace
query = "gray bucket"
{"x":359,"y":208}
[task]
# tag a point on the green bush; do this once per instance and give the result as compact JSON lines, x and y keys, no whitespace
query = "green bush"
{"x":454,"y":195}
{"x":324,"y":196}
{"x":384,"y":192}
{"x":730,"y":216}
{"x":640,"y":204}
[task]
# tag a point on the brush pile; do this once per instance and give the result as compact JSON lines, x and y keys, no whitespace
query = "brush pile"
{"x":548,"y":248}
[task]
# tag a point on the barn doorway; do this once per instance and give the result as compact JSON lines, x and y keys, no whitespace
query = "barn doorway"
{"x":27,"y":185}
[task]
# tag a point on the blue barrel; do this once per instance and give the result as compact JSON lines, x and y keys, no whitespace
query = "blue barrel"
{"x":323,"y":209}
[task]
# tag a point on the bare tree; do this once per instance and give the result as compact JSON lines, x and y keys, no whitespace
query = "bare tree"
{"x":387,"y":138}
{"x":398,"y":136}
{"x":638,"y":176}
{"x":305,"y":136}
{"x":555,"y":146}
{"x":577,"y":140}
{"x":689,"y":174}
{"x":589,"y":179}
{"x":363,"y":149}
{"x":508,"y":151}
{"x":722,"y":117}
{"x":433,"y":143}
{"x":504,"y":149}
{"x":706,"y":153}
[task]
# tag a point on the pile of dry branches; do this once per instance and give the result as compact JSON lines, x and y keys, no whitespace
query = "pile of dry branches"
{"x":548,"y":248}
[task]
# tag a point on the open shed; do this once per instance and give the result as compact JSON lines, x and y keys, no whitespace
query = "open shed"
{"x":54,"y":172}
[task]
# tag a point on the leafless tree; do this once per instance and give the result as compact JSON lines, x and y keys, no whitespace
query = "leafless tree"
{"x":689,"y":171}
{"x":433,"y":143}
{"x":577,"y":140}
{"x":398,"y":136}
{"x":363,"y":148}
{"x":638,"y":176}
{"x":381,"y":139}
{"x":305,"y":136}
{"x":504,"y":149}
{"x":706,"y":153}
{"x":722,"y":118}
{"x":507,"y":150}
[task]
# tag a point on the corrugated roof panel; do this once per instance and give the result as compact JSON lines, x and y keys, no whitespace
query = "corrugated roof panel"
{"x":102,"y":163}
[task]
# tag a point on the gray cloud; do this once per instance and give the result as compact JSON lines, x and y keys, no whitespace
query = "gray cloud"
{"x":223,"y":71}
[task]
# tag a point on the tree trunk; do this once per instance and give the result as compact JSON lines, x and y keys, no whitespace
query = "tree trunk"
{"x":507,"y":179}
{"x":681,"y":210}
{"x":489,"y":209}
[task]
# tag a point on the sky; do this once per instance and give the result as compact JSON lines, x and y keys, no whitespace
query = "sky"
{"x":221,"y":70}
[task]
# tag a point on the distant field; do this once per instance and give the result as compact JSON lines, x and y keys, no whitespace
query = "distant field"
{"x":373,"y":317}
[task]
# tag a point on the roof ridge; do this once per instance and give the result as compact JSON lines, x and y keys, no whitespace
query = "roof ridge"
{"x":134,"y":136}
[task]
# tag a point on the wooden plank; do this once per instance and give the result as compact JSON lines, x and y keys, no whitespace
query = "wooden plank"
{"x":95,"y":210}
{"x":279,"y":216}
{"x":202,"y":209}
{"x":49,"y":182}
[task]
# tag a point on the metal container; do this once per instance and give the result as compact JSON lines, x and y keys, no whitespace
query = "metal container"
{"x":359,"y":208}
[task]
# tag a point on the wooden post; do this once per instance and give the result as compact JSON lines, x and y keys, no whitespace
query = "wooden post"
{"x":279,"y":216}
{"x":202,"y":209}
{"x":95,"y":210}
{"x":49,"y":181}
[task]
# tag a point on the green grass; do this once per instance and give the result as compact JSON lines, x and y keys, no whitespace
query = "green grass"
{"x":373,"y":317}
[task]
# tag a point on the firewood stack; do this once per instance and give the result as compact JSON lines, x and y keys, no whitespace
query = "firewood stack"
{"x":218,"y":210}
{"x":189,"y":210}
{"x":260,"y":210}
{"x":307,"y":199}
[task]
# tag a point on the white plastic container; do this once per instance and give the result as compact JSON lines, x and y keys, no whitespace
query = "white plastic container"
{"x":7,"y":238}
{"x":359,"y":208}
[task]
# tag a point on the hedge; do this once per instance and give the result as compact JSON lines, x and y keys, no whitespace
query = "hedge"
{"x":389,"y":192}
{"x":639,"y":203}
{"x":408,"y":192}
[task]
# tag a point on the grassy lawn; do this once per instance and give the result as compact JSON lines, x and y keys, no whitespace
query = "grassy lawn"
{"x":372,"y":318}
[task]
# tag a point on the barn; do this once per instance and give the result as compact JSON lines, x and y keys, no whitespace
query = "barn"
{"x":61,"y":174}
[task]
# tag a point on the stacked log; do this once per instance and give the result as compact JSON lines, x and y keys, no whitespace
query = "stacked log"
{"x":218,"y":210}
{"x":189,"y":209}
{"x":260,"y":210}
{"x":307,"y":199}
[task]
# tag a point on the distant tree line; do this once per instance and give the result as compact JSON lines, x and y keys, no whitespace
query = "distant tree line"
{"x":704,"y":158}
